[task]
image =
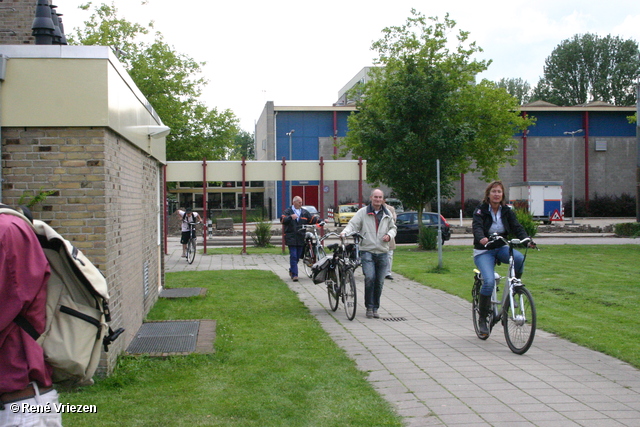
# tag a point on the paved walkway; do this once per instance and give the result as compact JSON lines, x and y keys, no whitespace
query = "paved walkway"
{"x":424,"y":358}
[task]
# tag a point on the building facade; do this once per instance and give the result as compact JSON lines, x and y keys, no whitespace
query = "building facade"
{"x":75,"y":124}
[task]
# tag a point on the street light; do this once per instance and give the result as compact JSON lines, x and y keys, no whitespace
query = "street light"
{"x":573,"y":175}
{"x":289,"y":134}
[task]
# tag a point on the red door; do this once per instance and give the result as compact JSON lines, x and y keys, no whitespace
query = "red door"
{"x":309,"y":194}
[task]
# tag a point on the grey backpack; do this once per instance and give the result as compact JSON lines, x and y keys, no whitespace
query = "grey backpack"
{"x":77,"y":309}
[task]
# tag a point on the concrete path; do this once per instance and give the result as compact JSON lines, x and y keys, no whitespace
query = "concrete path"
{"x":424,"y":358}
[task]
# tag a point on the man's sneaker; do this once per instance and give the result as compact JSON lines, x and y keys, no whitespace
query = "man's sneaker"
{"x":375,"y":314}
{"x":388,"y":276}
{"x":369,"y":313}
{"x":295,"y":278}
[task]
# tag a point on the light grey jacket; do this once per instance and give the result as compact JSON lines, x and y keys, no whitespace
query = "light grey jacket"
{"x":364,"y":222}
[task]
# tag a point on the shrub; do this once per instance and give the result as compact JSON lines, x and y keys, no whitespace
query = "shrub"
{"x":628,"y":229}
{"x":525,"y":218}
{"x":262,"y":236}
{"x":428,"y":238}
{"x":603,"y":206}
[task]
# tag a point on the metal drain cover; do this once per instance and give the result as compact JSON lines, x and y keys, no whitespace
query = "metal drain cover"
{"x":165,"y":337}
{"x":394,"y":319}
{"x":182,"y":292}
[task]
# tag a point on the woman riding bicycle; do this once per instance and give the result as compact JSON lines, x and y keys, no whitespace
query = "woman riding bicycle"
{"x":493,"y":216}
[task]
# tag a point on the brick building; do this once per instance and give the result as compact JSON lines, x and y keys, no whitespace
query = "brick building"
{"x":72,"y":121}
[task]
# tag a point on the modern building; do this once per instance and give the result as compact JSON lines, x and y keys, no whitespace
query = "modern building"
{"x":604,"y":153}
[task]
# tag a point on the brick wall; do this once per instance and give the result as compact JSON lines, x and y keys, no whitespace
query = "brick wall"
{"x":106,"y":202}
{"x":16,"y":19}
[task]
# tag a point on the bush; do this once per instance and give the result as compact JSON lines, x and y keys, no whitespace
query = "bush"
{"x":428,"y":238}
{"x":628,"y":229}
{"x":525,"y":219}
{"x":262,"y":236}
{"x":452,"y":209}
{"x":603,"y":207}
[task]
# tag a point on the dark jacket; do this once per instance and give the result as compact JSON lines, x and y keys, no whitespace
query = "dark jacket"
{"x":482,"y":221}
{"x":293,"y":231}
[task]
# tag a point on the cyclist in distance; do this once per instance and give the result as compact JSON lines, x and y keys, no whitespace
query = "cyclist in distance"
{"x":187,"y":216}
{"x":493,"y":216}
{"x":293,"y":219}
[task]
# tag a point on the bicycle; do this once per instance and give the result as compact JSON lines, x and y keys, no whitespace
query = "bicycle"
{"x":516,"y":310}
{"x":340,"y":281}
{"x":191,"y":245}
{"x":313,"y":250}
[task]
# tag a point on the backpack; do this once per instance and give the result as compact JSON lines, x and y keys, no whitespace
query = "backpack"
{"x":77,"y":309}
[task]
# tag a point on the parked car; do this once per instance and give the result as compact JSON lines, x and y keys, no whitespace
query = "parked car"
{"x":396,"y":203}
{"x":312,"y":210}
{"x":408,"y":226}
{"x":344,"y":213}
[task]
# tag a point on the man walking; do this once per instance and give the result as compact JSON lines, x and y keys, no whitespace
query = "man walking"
{"x":378,"y":228}
{"x":293,"y":219}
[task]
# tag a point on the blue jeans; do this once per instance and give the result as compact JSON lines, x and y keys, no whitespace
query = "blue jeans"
{"x":295,"y":253}
{"x":374,"y":267}
{"x":486,"y":262}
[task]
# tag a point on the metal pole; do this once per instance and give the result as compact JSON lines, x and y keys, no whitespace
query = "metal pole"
{"x":439,"y":220}
{"x":290,"y":133}
{"x":573,"y":174}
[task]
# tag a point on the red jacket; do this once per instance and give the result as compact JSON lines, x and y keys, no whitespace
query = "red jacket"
{"x":24,"y":272}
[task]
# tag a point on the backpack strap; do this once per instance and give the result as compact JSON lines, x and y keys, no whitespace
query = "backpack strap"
{"x":28,"y":327}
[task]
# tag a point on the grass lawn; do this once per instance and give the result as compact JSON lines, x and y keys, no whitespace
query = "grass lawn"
{"x":588,"y":294}
{"x":274,"y":366}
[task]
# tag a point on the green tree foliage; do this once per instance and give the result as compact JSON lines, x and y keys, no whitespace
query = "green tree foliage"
{"x":171,"y":82}
{"x":244,"y":146}
{"x":590,"y":68}
{"x":518,"y":88}
{"x":422,"y":105}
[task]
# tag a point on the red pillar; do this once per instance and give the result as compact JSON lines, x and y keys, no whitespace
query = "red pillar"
{"x":204,"y":202}
{"x":244,"y":207}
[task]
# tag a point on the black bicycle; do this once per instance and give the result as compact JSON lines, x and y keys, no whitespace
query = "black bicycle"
{"x":191,"y":244}
{"x":313,"y":250}
{"x":516,"y":309}
{"x":340,"y":281}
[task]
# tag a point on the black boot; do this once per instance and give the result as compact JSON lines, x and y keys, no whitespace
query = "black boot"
{"x":485,"y":306}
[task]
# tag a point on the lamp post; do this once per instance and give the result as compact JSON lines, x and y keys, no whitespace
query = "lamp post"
{"x":573,"y":175}
{"x":289,"y":134}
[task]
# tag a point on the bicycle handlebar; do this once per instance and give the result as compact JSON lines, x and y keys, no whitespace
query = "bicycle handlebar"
{"x":496,"y":237}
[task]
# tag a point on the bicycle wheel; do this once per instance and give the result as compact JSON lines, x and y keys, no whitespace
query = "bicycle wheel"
{"x":191,"y":251}
{"x":308,"y":259}
{"x":333,"y":289}
{"x":349,"y":296}
{"x":520,"y":322}
{"x":475,"y":312}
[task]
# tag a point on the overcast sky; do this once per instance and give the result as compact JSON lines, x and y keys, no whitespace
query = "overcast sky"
{"x":302,"y":53}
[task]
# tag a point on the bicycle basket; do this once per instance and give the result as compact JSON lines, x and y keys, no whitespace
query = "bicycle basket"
{"x":320,"y":270}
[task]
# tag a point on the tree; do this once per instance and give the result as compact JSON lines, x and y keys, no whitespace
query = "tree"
{"x":589,"y":68}
{"x":171,"y":82}
{"x":518,"y":88}
{"x":422,"y":105}
{"x":243,"y":147}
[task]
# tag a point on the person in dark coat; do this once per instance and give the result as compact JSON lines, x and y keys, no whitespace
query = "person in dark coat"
{"x":293,"y":219}
{"x":493,"y":216}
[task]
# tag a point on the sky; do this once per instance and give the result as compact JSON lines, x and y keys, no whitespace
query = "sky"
{"x":301,"y":53}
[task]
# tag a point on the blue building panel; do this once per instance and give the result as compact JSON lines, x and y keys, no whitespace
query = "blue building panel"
{"x":610,"y":124}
